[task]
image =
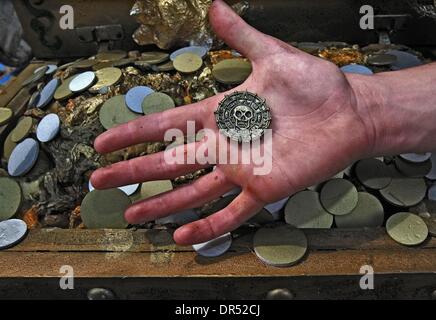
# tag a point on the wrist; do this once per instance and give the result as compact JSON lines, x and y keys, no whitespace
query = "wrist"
{"x":369,"y":103}
{"x":397,"y":110}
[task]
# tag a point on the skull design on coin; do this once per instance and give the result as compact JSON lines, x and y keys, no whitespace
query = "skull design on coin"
{"x":243,"y":116}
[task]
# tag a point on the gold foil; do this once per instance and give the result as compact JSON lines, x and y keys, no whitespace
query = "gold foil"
{"x":342,"y":57}
{"x":169,"y":23}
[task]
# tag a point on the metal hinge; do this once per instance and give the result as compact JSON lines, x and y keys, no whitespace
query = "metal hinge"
{"x":387,"y":24}
{"x":104,"y":36}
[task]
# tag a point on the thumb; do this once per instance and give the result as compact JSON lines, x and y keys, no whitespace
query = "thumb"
{"x":236,"y":33}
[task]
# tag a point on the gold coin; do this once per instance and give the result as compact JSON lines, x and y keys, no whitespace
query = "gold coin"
{"x":35,"y":77}
{"x":106,"y":77}
{"x":373,"y":173}
{"x":165,"y":67}
{"x":22,"y":129}
{"x":8,"y":147}
{"x":84,"y":64}
{"x":304,"y":210}
{"x":404,"y":191}
{"x":413,"y":169}
{"x":188,"y":63}
{"x":339,"y":196}
{"x":407,"y":228}
{"x":115,"y":112}
{"x":152,"y":188}
{"x":123,"y":62}
{"x":232,"y":71}
{"x":102,"y":65}
{"x":105,"y":209}
{"x":143,"y":65}
{"x":110,"y":56}
{"x":63,"y":91}
{"x":157,"y":102}
{"x":5,"y":115}
{"x":154,"y":57}
{"x":10,"y":198}
{"x":281,"y":246}
{"x":369,"y":213}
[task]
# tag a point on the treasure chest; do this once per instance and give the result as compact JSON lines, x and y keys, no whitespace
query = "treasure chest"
{"x":66,"y":254}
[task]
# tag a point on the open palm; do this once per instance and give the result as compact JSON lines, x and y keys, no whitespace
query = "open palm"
{"x":317,"y":130}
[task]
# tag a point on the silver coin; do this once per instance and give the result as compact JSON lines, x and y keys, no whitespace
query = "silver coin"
{"x":232,"y":192}
{"x":431,"y":193}
{"x":432,"y":174}
{"x":200,"y":51}
{"x":128,"y":190}
{"x":51,"y":68}
{"x":243,"y":116}
{"x":47,"y":93}
{"x":90,"y":186}
{"x":23,"y":158}
{"x":136,"y":96}
{"x":416,"y":157}
{"x":34,"y":78}
{"x":12,"y":231}
{"x":48,"y":127}
{"x":82,"y":81}
{"x":277,"y":206}
{"x":215,"y":247}
{"x":236,"y":54}
{"x":33,"y":100}
{"x":348,"y":170}
{"x":404,"y":60}
{"x":357,"y":68}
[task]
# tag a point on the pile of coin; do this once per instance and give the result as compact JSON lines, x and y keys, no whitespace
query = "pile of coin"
{"x":370,"y":193}
{"x":102,"y":76}
{"x":21,"y":149}
{"x":116,"y":87}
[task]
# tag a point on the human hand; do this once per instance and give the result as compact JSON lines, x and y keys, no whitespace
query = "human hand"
{"x":317,"y":130}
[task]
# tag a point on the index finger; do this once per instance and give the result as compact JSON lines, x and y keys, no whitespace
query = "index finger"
{"x":152,"y":128}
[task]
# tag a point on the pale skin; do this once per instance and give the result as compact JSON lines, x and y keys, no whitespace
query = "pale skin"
{"x":322,"y":121}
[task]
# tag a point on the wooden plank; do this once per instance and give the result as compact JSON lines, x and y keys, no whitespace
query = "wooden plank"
{"x":19,"y":106}
{"x":232,"y":264}
{"x":14,"y":86}
{"x":60,"y":240}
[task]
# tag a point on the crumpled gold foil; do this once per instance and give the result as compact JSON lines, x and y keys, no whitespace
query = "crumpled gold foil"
{"x":169,"y":23}
{"x":342,"y":56}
